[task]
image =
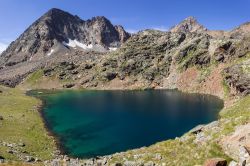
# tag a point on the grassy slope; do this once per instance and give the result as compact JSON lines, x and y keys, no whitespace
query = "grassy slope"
{"x":183,"y":151}
{"x":22,"y":123}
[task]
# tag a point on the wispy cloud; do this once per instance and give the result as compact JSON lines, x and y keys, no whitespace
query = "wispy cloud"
{"x":3,"y":46}
{"x":132,"y":30}
{"x":159,"y":28}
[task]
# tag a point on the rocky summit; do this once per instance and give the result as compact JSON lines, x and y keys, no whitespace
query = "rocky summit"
{"x":55,"y":33}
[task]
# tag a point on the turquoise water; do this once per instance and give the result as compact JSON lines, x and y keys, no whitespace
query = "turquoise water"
{"x":95,"y":123}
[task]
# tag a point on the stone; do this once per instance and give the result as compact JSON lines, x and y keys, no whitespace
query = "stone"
{"x":129,"y":163}
{"x":110,"y":75}
{"x":47,"y":72}
{"x":29,"y":159}
{"x":70,"y":85}
{"x":70,"y":67}
{"x":10,"y":151}
{"x":118,"y":164}
{"x":74,"y":72}
{"x":88,"y":66}
{"x":158,"y":156}
{"x":1,"y":117}
{"x":243,"y":163}
{"x":2,"y":159}
{"x":21,"y":144}
{"x":149,"y":163}
{"x":232,"y":163}
{"x":66,"y":158}
{"x":62,"y":74}
{"x":216,"y":162}
{"x":219,"y":57}
{"x":197,"y":129}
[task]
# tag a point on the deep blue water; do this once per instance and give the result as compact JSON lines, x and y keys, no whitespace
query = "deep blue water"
{"x":94,"y":123}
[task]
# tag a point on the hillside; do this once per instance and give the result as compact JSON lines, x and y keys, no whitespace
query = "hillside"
{"x":61,"y":51}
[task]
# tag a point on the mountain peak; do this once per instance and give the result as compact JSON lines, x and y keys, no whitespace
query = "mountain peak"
{"x":55,"y":11}
{"x":190,"y":24}
{"x":58,"y":29}
{"x":190,"y":19}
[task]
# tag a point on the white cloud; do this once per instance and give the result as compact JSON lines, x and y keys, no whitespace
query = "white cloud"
{"x":3,"y":46}
{"x":132,"y":30}
{"x":160,"y":28}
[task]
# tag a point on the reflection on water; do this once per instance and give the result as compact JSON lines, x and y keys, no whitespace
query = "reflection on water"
{"x":91,"y":123}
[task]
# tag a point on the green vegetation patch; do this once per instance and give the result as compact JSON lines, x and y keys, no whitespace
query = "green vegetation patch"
{"x":22,"y":130}
{"x":35,"y":77}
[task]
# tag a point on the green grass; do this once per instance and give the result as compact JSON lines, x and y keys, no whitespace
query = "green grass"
{"x":226,"y":89}
{"x":22,"y":124}
{"x":34,"y":77}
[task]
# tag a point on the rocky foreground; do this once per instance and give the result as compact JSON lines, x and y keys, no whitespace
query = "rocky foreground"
{"x":61,"y":51}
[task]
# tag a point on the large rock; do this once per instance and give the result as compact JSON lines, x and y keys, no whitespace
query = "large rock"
{"x":238,"y":77}
{"x":237,"y":145}
{"x":215,"y":162}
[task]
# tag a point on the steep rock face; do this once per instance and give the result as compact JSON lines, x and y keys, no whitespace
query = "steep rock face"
{"x":238,"y":77}
{"x":57,"y":30}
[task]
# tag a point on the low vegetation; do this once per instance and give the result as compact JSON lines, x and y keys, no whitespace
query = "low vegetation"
{"x":22,"y":131}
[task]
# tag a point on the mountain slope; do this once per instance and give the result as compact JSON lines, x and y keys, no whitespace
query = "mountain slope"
{"x":57,"y":36}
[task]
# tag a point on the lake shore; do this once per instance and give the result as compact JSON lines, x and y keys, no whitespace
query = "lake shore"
{"x":172,"y":144}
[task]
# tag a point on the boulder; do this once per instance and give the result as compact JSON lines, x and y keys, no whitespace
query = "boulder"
{"x":88,"y":66}
{"x":232,"y":163}
{"x":216,"y":162}
{"x":1,"y":159}
{"x":70,"y":67}
{"x":219,"y":57}
{"x":47,"y":72}
{"x":197,"y":129}
{"x":110,"y":75}
{"x":149,"y":163}
{"x":74,"y":72}
{"x":70,"y":85}
{"x":21,"y":144}
{"x":10,"y":151}
{"x":29,"y":159}
{"x":130,"y":163}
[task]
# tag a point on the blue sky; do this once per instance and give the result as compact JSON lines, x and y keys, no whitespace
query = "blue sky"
{"x":17,"y":15}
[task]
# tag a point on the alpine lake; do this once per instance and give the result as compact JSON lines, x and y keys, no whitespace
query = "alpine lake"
{"x":90,"y":123}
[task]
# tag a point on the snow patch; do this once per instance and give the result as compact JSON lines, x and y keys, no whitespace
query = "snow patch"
{"x":75,"y":43}
{"x":51,"y":52}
